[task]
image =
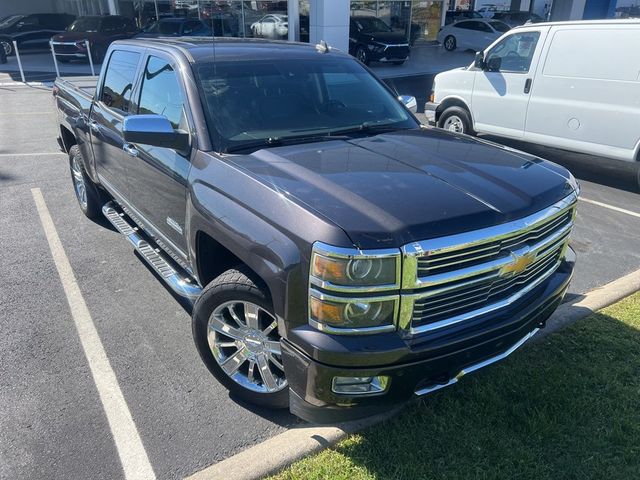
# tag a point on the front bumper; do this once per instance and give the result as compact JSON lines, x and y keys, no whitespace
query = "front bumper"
{"x":431,"y":364}
{"x":430,"y":109}
{"x":68,"y":49}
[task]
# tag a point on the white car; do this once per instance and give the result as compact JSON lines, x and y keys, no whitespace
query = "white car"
{"x":471,"y":34}
{"x":274,"y":26}
{"x":569,"y":85}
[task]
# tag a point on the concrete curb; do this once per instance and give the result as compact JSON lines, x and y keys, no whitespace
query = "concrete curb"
{"x":280,"y":451}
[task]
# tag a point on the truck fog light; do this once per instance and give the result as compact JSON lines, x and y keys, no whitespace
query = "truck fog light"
{"x":360,"y":385}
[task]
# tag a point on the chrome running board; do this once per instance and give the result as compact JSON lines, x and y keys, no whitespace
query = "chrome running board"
{"x":478,"y":366}
{"x":180,"y":282}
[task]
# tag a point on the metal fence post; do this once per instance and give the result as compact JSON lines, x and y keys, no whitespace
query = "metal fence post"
{"x":93,"y":72}
{"x":15,"y":47}
{"x":55,"y":60}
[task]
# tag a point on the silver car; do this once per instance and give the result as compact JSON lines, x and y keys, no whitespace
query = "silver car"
{"x":474,"y":34}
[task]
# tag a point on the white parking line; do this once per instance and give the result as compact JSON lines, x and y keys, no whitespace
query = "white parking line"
{"x":30,"y":154}
{"x":611,"y":207}
{"x":133,"y":456}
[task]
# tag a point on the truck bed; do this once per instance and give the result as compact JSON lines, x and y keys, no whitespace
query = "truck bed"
{"x":85,"y":86}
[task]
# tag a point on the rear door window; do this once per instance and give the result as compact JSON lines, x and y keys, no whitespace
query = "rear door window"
{"x":119,"y":80}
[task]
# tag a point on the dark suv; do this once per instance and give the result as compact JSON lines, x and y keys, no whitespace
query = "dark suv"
{"x":372,"y":40}
{"x":99,"y":31}
{"x":31,"y":31}
{"x":176,"y":27}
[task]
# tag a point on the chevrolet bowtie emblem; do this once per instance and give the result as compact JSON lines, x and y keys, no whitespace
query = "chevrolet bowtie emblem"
{"x":519,"y":263}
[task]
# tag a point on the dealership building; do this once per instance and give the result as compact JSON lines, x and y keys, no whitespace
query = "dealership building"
{"x":315,"y":20}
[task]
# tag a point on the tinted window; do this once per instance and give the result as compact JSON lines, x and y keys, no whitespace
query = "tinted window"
{"x":255,"y":100}
{"x":515,"y":52}
{"x":165,"y":28}
{"x":160,"y":93}
{"x":118,"y":81}
{"x":85,"y":24}
{"x":30,"y":20}
{"x":500,"y":27}
{"x":113,"y":24}
{"x":465,"y":25}
{"x":482,"y":27}
{"x":190,"y":27}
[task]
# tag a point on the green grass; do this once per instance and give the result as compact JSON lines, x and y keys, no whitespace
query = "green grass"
{"x":565,"y":407}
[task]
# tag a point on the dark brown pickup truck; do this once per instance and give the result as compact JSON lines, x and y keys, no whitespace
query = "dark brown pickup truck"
{"x":340,"y":257}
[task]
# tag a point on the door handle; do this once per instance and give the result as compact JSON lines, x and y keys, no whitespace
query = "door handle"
{"x":130,"y":149}
{"x":93,"y":125}
{"x":527,"y":85}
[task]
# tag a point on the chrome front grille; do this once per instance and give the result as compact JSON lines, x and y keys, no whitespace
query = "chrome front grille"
{"x":460,"y":277}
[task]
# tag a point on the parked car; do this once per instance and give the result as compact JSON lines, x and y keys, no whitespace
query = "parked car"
{"x":471,"y":34}
{"x":488,"y":10}
{"x":31,"y":31}
{"x":99,"y":31}
{"x":273,"y":26}
{"x":372,"y":40}
{"x":453,"y":16}
{"x":555,"y":84}
{"x":176,"y":27}
{"x":340,"y":259}
{"x":516,"y":18}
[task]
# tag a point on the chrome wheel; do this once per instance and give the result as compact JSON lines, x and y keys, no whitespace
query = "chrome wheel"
{"x":453,"y":123}
{"x":450,"y":43}
{"x":78,"y":183}
{"x":244,"y":341}
{"x":361,"y":55}
{"x":7,"y":47}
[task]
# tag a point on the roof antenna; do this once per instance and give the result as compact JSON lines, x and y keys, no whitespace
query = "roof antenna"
{"x":322,"y":47}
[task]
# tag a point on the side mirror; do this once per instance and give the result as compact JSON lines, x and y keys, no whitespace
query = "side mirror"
{"x":155,"y":130}
{"x":494,"y":64}
{"x":410,"y":102}
{"x":479,"y":60}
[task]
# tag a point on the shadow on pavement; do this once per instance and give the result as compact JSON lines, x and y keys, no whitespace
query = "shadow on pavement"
{"x":600,"y":170}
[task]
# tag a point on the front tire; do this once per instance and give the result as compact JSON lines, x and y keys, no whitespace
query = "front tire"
{"x":87,"y":193}
{"x":362,"y":55}
{"x":450,"y":43}
{"x":457,"y":120}
{"x":236,"y":334}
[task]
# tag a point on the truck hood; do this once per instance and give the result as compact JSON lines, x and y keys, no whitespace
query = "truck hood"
{"x":74,"y":36}
{"x":396,"y":188}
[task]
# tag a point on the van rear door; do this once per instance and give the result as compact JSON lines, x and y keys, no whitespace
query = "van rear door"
{"x":501,"y":90}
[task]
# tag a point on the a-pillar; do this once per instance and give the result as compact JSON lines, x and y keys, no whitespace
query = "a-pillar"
{"x":329,"y":21}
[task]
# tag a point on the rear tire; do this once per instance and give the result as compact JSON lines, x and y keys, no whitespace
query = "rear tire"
{"x":7,"y":46}
{"x":450,"y":43}
{"x":237,"y":345}
{"x":87,"y":193}
{"x":457,"y":120}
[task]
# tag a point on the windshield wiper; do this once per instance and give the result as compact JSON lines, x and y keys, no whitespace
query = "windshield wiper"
{"x":369,"y":127}
{"x":281,"y":141}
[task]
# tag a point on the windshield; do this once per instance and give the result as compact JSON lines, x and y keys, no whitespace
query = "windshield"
{"x":85,"y":24}
{"x":165,"y":28}
{"x":372,"y":24}
{"x":10,"y":20}
{"x":253,"y":101}
{"x":500,"y":26}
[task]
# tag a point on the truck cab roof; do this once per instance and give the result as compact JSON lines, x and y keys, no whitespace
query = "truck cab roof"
{"x":201,"y":49}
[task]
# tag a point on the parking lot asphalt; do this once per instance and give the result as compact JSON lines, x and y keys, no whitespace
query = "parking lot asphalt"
{"x":52,"y":423}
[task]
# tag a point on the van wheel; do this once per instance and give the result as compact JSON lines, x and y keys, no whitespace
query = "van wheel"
{"x":456,"y":119}
{"x":236,"y":334}
{"x":450,"y":43}
{"x":638,"y":176}
{"x":87,"y":193}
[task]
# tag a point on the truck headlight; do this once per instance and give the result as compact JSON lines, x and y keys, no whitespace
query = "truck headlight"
{"x":344,"y":286}
{"x":346,"y":269}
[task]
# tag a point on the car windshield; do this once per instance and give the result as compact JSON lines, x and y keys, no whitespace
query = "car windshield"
{"x":500,"y":26}
{"x":165,"y":28}
{"x":251,"y":103}
{"x":10,"y":20}
{"x":85,"y":24}
{"x":372,"y":24}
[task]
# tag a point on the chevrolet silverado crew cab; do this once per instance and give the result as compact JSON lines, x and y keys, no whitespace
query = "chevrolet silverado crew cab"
{"x":340,"y":258}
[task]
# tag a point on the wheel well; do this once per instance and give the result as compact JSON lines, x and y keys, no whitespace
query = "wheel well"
{"x":452,"y":102}
{"x":213,"y":258}
{"x":68,"y":139}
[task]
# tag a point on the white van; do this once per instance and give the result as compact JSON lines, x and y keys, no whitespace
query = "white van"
{"x":570,"y":85}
